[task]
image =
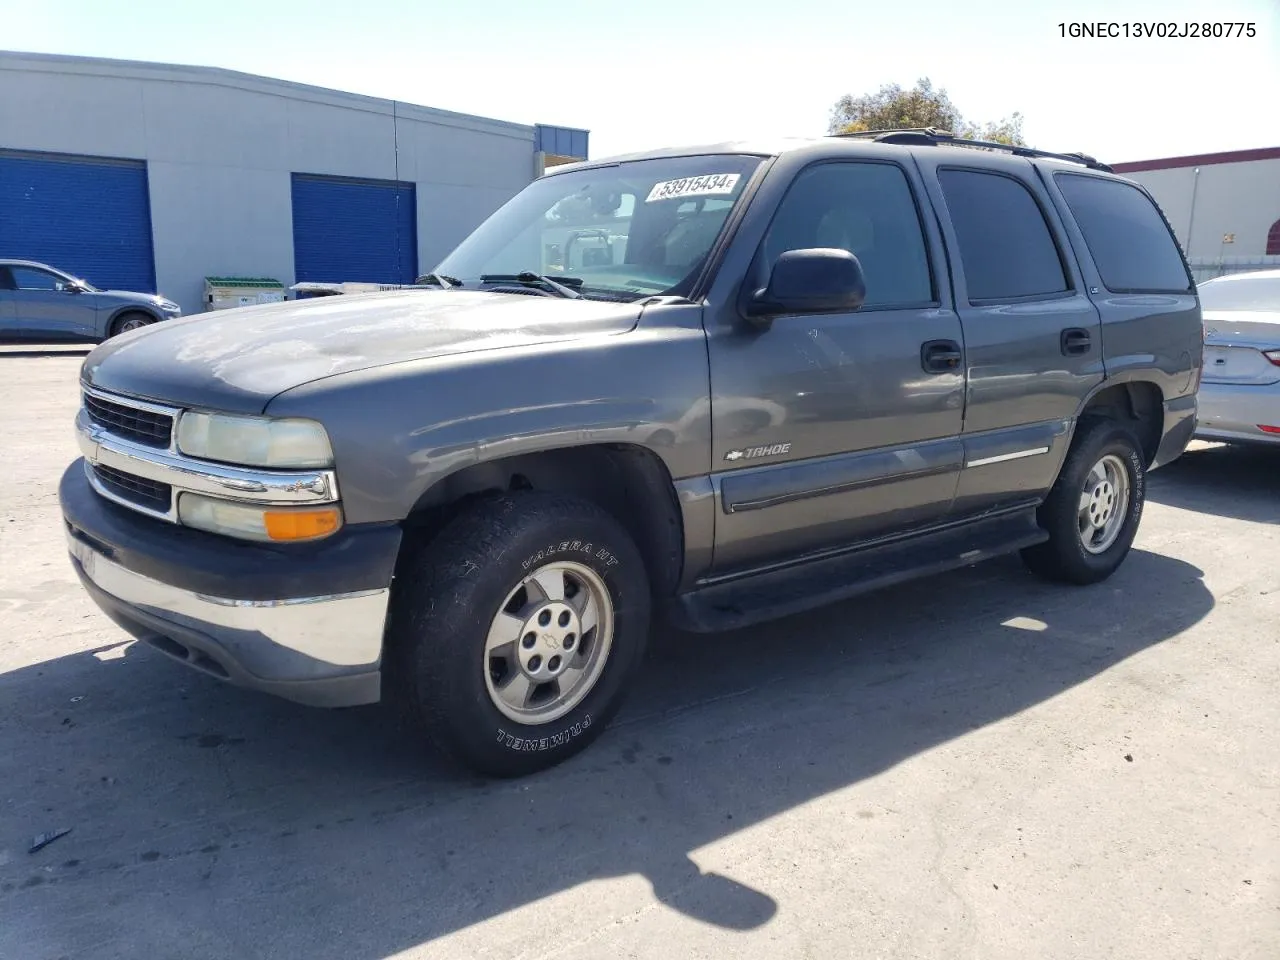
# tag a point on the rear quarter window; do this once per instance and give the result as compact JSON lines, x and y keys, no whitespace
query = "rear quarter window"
{"x":1126,"y":234}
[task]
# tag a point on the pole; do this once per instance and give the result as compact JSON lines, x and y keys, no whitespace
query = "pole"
{"x":1191,"y":221}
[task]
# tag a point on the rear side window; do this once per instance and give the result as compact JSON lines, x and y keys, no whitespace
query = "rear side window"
{"x":1006,"y":249}
{"x":1128,"y":238}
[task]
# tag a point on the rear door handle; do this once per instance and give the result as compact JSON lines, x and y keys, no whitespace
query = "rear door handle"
{"x":940,"y":356}
{"x":1075,"y":342}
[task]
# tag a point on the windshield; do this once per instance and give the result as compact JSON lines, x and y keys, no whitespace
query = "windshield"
{"x":624,"y":231}
{"x":1239,"y":293}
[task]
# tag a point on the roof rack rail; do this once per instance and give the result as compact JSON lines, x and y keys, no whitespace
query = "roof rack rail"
{"x":931,"y":136}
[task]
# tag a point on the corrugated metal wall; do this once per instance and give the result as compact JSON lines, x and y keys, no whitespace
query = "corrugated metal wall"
{"x":362,"y":231}
{"x":88,"y":216}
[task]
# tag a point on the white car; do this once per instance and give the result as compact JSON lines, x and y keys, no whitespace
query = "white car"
{"x":1240,"y":390}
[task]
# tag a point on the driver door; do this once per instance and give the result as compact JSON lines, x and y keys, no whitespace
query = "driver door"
{"x":8,"y":316}
{"x":834,"y":429}
{"x":44,"y":306}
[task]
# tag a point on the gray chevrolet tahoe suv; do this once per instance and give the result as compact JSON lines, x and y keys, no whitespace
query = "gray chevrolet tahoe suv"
{"x":723,"y":384}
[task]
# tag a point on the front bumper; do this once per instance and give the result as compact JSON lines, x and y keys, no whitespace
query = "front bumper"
{"x":1232,"y":412}
{"x":304,"y":622}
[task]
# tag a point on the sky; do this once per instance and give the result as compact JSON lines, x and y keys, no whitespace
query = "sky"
{"x":665,"y":72}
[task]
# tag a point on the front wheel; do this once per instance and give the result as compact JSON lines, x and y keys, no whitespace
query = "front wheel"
{"x":516,"y":633}
{"x":131,"y":321}
{"x":1093,"y":511}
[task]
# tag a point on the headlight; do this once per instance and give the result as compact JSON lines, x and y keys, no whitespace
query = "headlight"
{"x":254,"y":441}
{"x":249,"y":522}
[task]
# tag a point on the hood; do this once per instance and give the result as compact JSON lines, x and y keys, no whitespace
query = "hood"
{"x":237,"y":360}
{"x":131,"y":296}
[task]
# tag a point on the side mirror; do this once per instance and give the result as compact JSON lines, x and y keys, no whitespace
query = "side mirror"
{"x":818,"y":280}
{"x":70,"y":287}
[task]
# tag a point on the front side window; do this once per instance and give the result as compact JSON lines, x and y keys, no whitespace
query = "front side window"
{"x":867,"y":209}
{"x":27,"y":278}
{"x":621,"y":232}
{"x":1006,"y":249}
{"x":1130,"y":243}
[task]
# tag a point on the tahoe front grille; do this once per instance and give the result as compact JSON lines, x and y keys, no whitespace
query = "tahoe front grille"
{"x":130,"y":423}
{"x":137,"y":490}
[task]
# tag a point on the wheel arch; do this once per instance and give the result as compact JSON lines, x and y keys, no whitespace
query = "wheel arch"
{"x":114,"y":317}
{"x":628,"y":481}
{"x":1138,"y":401}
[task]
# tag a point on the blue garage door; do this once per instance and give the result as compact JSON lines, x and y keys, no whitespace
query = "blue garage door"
{"x":354,"y":230}
{"x":87,"y":216}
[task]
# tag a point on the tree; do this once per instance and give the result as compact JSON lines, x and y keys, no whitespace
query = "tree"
{"x":893,"y":108}
{"x":1008,"y":130}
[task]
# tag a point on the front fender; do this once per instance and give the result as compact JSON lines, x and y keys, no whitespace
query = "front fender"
{"x":399,"y":430}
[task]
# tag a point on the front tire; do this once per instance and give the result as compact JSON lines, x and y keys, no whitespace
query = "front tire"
{"x":134,"y":320}
{"x":516,"y":633}
{"x":1093,"y":511}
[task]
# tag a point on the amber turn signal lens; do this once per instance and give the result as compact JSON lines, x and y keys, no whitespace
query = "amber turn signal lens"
{"x":301,"y":524}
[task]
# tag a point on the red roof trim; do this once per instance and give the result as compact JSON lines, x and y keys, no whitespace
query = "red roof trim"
{"x":1199,"y":160}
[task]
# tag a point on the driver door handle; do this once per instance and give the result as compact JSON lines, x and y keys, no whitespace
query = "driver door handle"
{"x":941,"y":356}
{"x":1075,"y":342}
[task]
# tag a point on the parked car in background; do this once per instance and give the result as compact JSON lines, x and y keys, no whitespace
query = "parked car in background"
{"x":40,"y":302}
{"x":1240,"y":391}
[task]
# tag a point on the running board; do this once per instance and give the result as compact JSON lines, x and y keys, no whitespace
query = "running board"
{"x":807,"y":585}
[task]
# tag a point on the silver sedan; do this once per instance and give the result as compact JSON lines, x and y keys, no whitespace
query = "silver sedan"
{"x":1240,"y":390}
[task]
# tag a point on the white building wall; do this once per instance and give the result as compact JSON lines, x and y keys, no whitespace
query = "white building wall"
{"x":1229,"y":198}
{"x":221,"y":147}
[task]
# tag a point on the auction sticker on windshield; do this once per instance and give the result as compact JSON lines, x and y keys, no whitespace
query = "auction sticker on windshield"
{"x":709,"y":185}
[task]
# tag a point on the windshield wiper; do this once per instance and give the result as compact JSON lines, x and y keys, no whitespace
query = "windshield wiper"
{"x":528,"y":277}
{"x":442,"y":280}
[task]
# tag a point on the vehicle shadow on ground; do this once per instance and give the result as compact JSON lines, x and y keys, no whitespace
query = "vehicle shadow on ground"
{"x":213,"y":822}
{"x":1240,"y":482}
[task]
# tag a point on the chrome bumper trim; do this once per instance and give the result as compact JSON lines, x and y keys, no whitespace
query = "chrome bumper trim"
{"x":343,"y":631}
{"x":184,"y":474}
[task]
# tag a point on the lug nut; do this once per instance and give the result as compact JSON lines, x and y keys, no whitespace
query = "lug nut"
{"x":544,"y":618}
{"x":553,"y":664}
{"x":535,"y":662}
{"x":564,"y":618}
{"x":569,"y":641}
{"x":529,"y":640}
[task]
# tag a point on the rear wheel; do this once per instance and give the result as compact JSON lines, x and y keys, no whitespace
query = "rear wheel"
{"x":130,"y":321}
{"x":516,"y":633}
{"x":1093,"y":511}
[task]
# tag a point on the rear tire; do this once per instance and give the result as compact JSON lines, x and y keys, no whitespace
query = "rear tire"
{"x":134,"y":320}
{"x":486,"y":661}
{"x":1093,"y":511}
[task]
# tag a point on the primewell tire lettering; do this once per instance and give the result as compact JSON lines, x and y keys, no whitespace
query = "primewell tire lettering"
{"x":534,"y":745}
